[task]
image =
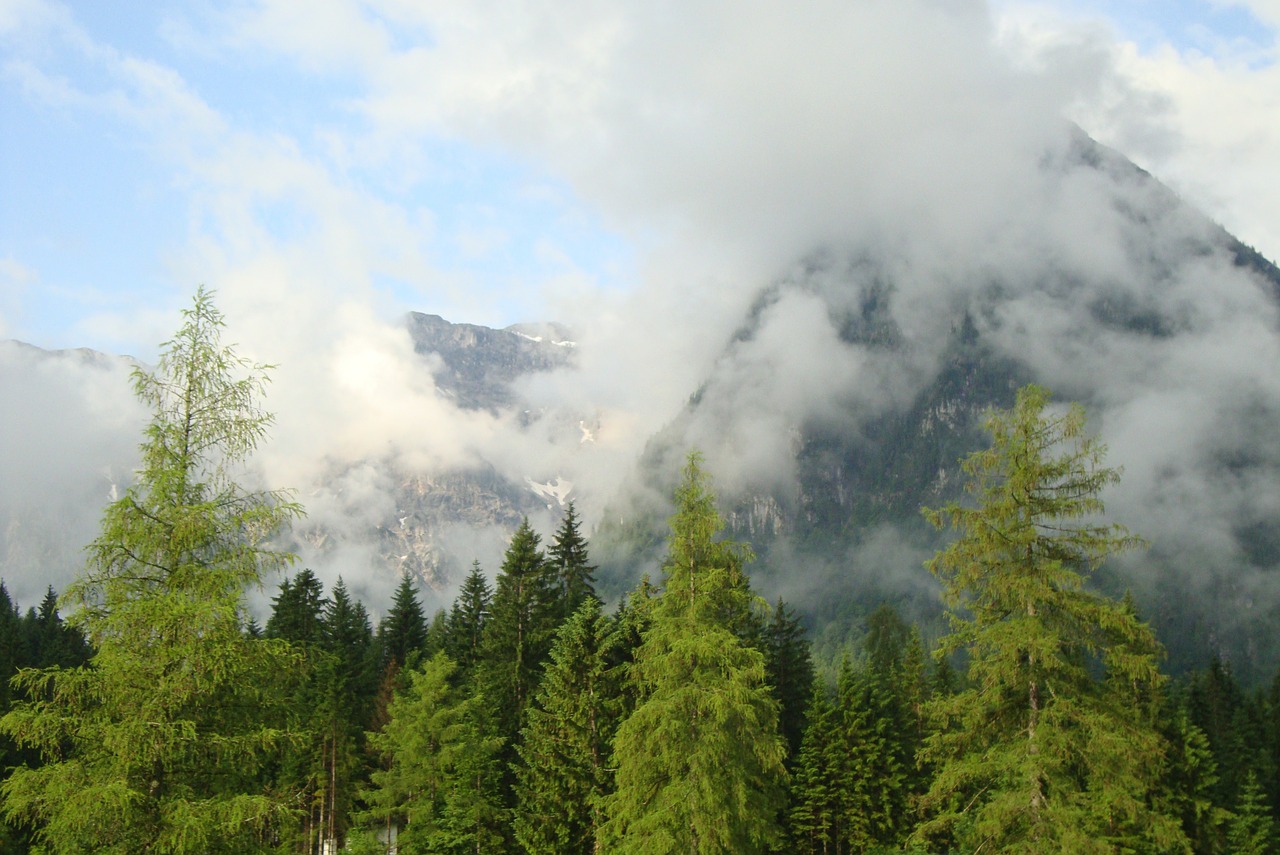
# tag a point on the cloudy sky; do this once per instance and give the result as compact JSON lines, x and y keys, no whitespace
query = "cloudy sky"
{"x":638,"y":170}
{"x":499,"y":162}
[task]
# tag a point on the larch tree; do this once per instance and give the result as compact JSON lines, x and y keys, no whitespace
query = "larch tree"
{"x":159,"y":744}
{"x":1053,"y":746}
{"x":700,"y":759}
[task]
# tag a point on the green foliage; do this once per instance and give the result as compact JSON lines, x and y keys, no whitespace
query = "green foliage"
{"x":699,"y":761}
{"x":565,"y":743}
{"x":1252,"y":829}
{"x":567,"y":554}
{"x":402,"y":634}
{"x":464,"y":629}
{"x":519,"y":631}
{"x":296,"y":610}
{"x":1053,"y":745}
{"x":789,"y":672}
{"x":440,"y":784}
{"x":158,"y":745}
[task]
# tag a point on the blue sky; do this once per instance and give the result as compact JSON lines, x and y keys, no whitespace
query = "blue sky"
{"x":147,"y":147}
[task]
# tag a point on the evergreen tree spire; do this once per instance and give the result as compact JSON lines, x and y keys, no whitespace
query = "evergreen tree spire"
{"x":700,"y":760}
{"x":567,"y":554}
{"x":402,"y":633}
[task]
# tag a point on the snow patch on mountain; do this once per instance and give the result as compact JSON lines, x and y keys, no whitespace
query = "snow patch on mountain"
{"x":559,"y":489}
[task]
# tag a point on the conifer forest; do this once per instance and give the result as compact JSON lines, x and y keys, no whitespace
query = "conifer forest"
{"x":146,"y":710}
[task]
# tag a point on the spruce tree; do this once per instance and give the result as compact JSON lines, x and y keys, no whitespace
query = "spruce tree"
{"x":1252,"y":828}
{"x":518,"y":634}
{"x":402,"y":634}
{"x":815,"y":820}
{"x":700,"y":760}
{"x":296,"y":609}
{"x":567,"y":554}
{"x":1053,"y":746}
{"x":464,"y":629}
{"x":439,"y":785}
{"x":159,"y":744}
{"x":564,"y":746}
{"x":789,"y":670}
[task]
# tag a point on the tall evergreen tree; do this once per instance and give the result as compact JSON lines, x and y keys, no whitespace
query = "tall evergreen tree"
{"x":567,"y":554}
{"x":159,"y":744}
{"x":297,"y":608}
{"x":49,"y":641}
{"x":519,"y":632}
{"x":564,"y":747}
{"x":464,"y":630}
{"x":343,"y":690}
{"x":1039,"y":754}
{"x":816,"y":818}
{"x":700,"y":760}
{"x":1252,"y":828}
{"x":403,"y":632}
{"x":789,"y":671}
{"x":440,"y":785}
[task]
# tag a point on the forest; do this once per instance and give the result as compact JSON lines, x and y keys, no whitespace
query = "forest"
{"x":158,"y":716}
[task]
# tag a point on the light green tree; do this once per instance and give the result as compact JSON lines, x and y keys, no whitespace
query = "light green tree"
{"x":700,"y":760}
{"x":1053,"y":747}
{"x":158,"y":745}
{"x":440,"y":787}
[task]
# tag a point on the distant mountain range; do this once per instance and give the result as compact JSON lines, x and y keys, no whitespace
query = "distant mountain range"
{"x":849,"y":392}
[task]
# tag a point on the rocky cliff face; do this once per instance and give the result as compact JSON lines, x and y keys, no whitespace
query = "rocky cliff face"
{"x":475,"y":365}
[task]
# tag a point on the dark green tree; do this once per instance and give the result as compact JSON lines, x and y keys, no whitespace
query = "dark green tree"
{"x":48,"y":641}
{"x":1252,"y":828}
{"x":1053,"y":746}
{"x":403,"y":632}
{"x":816,"y":818}
{"x":788,"y":664}
{"x":567,"y":554}
{"x":439,"y":786}
{"x":565,"y":745}
{"x":464,"y":631}
{"x":159,"y":745}
{"x":296,"y":609}
{"x":518,"y":635}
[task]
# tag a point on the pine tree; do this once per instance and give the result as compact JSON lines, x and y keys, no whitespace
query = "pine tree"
{"x":1190,"y":776}
{"x":468,"y":617}
{"x":403,"y":632}
{"x":1039,"y":753}
{"x":49,"y":640}
{"x":567,"y":554}
{"x":815,"y":818}
{"x":565,"y":742}
{"x":344,"y":687}
{"x":159,"y":745}
{"x":700,"y":761}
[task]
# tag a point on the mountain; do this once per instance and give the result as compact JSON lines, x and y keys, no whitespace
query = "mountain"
{"x":1174,"y":363}
{"x":841,"y":401}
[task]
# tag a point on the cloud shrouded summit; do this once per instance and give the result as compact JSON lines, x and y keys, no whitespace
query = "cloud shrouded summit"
{"x":687,"y":163}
